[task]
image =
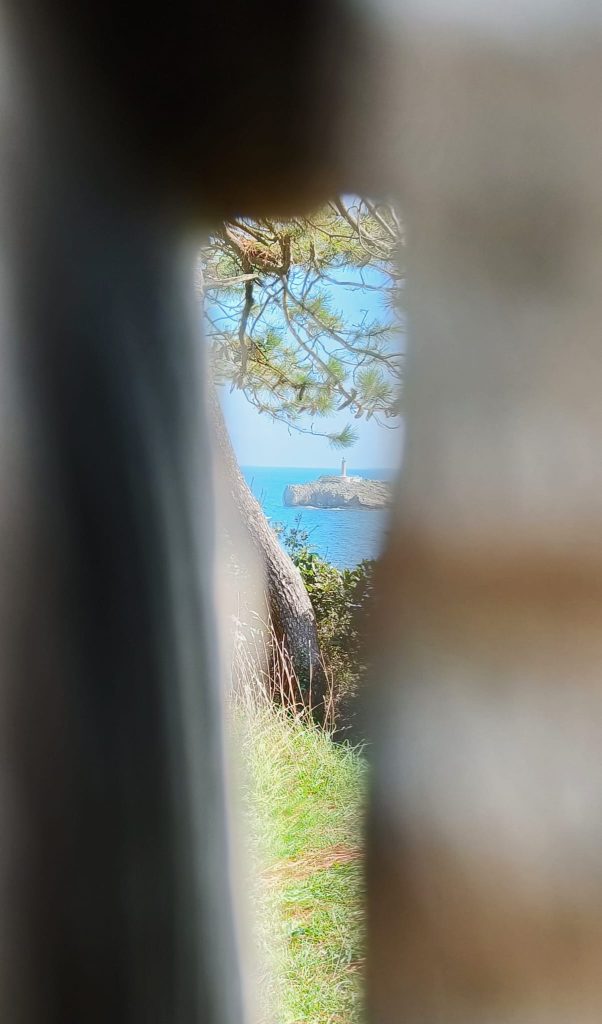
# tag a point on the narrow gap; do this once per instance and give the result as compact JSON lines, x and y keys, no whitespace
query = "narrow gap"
{"x":304,"y":323}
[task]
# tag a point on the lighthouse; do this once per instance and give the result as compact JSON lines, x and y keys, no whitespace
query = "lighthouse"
{"x":344,"y":468}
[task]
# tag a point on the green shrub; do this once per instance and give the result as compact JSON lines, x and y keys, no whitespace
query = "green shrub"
{"x":342,"y":602}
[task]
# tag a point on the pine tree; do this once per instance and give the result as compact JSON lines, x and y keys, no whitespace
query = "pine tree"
{"x":274,"y":294}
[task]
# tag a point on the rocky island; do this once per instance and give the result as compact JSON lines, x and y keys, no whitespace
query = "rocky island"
{"x":339,"y":492}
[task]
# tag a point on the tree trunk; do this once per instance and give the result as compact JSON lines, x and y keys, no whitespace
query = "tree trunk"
{"x":289,"y":606}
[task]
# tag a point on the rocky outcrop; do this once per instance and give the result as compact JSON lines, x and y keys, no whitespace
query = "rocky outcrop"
{"x":339,"y":492}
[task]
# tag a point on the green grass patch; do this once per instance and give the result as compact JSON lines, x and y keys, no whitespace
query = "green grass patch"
{"x":303,"y":799}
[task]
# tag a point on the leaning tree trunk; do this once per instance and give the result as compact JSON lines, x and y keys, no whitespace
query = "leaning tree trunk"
{"x":289,"y":606}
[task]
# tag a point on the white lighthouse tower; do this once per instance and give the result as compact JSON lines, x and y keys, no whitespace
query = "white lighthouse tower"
{"x":344,"y":468}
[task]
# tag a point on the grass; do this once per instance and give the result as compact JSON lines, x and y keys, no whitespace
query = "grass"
{"x":303,"y":797}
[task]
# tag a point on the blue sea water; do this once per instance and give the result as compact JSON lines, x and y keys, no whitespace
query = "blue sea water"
{"x":343,"y":536}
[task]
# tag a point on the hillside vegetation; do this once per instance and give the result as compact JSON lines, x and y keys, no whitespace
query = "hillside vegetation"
{"x":303,"y":798}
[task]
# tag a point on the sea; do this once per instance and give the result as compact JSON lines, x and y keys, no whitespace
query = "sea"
{"x":343,"y":536}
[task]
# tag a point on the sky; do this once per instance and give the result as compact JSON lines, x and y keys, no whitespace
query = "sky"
{"x":259,"y":441}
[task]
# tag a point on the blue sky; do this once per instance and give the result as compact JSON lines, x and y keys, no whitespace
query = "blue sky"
{"x":259,"y":441}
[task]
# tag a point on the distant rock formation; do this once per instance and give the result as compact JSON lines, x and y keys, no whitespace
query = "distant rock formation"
{"x":339,"y":492}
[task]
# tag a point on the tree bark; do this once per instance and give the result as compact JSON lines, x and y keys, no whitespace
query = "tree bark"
{"x":289,"y":606}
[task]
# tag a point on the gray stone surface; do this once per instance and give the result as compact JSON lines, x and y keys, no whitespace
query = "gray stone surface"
{"x":339,"y":492}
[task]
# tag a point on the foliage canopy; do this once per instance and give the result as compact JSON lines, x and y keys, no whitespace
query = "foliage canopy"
{"x":283,"y":300}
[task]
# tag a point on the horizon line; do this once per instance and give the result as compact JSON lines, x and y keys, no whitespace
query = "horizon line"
{"x":271,"y":465}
